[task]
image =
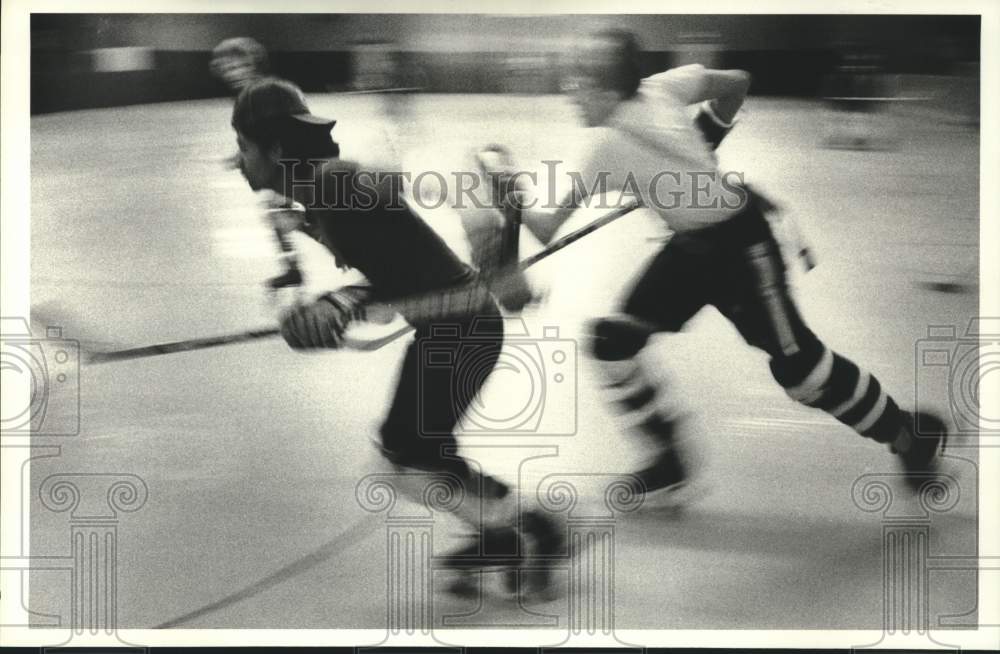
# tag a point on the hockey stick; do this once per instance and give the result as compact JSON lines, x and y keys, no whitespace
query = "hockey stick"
{"x":224,"y":339}
{"x":354,"y":344}
{"x":576,"y":235}
{"x":181,"y":346}
{"x":528,"y":262}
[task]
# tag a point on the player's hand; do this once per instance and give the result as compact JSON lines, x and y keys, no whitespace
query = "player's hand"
{"x":287,"y":219}
{"x":513,"y":291}
{"x":322,"y":324}
{"x":497,"y":166}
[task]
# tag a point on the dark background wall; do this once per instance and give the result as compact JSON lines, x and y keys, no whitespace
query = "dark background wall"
{"x":788,"y":55}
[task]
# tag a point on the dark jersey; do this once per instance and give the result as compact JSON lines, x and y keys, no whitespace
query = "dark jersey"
{"x":363,"y":221}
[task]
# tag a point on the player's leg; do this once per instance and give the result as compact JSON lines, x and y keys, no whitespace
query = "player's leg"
{"x":418,"y":434}
{"x":502,"y":539}
{"x":760,"y":306}
{"x":418,"y":431}
{"x":673,"y":288}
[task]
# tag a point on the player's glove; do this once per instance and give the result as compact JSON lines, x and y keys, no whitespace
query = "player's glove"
{"x":512,"y":289}
{"x":284,"y":215}
{"x":713,"y":128}
{"x":322,"y":324}
{"x":497,"y":166}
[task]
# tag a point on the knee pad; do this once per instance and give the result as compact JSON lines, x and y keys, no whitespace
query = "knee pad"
{"x":616,"y":338}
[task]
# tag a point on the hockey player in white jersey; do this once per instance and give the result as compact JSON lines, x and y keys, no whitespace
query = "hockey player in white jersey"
{"x":642,"y":142}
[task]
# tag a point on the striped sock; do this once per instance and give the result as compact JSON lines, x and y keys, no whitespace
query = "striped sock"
{"x":852,"y":396}
{"x":639,"y":400}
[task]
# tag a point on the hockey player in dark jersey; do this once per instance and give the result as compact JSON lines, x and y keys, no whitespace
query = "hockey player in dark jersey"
{"x":723,"y":254}
{"x":363,"y":221}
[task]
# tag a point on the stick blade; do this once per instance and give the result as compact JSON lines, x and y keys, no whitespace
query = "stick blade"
{"x":52,"y":318}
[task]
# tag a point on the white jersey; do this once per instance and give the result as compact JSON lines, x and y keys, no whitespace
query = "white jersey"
{"x":651,"y":148}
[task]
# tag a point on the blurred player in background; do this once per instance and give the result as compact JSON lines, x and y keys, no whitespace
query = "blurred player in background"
{"x":381,"y":70}
{"x":365,"y":224}
{"x":723,"y":254}
{"x":857,"y":96}
{"x":237,"y":62}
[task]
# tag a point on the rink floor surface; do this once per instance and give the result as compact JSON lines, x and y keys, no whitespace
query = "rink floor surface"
{"x":252,"y":453}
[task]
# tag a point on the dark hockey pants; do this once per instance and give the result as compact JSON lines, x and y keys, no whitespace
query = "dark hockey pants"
{"x":736,"y":267}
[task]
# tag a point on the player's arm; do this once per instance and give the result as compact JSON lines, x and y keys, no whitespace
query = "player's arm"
{"x":724,"y":91}
{"x":596,"y":173}
{"x":720,"y":92}
{"x":544,"y":222}
{"x":497,"y":165}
